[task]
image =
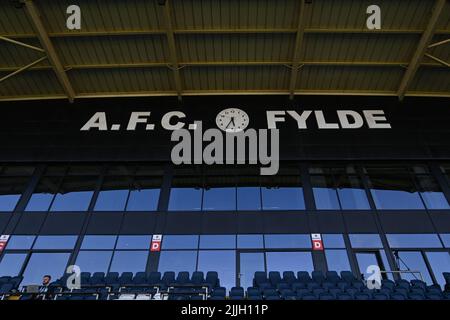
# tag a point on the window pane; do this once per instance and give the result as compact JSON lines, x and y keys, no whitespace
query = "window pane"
{"x":11,"y":188}
{"x":431,"y":193}
{"x":393,"y":188}
{"x":440,"y":263}
{"x":74,"y":194}
{"x":177,"y":261}
{"x":217,"y":242}
{"x":40,"y":264}
{"x":185,"y":199}
{"x":11,"y":264}
{"x":129,"y":261}
{"x":324,"y":192}
{"x":250,"y":241}
{"x":445,"y":239}
{"x":94,"y":261}
{"x":337,"y":260}
{"x":283,"y":191}
{"x":333,"y":241}
{"x":414,"y":241}
{"x":180,"y":242}
{"x":20,"y":242}
{"x":283,"y":198}
{"x":365,"y":241}
{"x":224,"y":262}
{"x":250,"y":262}
{"x":55,"y":242}
{"x":288,"y":241}
{"x":352,"y":194}
{"x":134,"y":242}
{"x":98,"y":242}
{"x":72,"y":201}
{"x":219,"y":199}
{"x":289,"y":261}
{"x":248,"y":198}
{"x":143,"y":200}
{"x":111,"y":200}
{"x":413,"y":261}
{"x":44,"y":193}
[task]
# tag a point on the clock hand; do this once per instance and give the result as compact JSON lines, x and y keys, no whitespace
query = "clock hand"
{"x":231,"y":121}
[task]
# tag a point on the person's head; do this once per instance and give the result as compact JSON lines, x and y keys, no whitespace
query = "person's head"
{"x":46,"y":279}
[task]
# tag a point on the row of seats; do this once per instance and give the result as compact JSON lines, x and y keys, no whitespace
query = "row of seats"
{"x":9,"y":284}
{"x":143,"y":280}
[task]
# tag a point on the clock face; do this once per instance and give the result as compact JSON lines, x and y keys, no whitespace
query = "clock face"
{"x":232,"y":120}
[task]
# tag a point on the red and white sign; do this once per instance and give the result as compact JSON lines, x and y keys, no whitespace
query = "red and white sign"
{"x":3,"y":241}
{"x":156,"y":243}
{"x":317,"y":241}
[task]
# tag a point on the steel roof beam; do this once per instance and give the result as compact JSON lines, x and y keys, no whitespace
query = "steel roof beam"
{"x":34,"y":15}
{"x":427,"y":36}
{"x":28,"y":66}
{"x":298,"y":45}
{"x":172,"y":48}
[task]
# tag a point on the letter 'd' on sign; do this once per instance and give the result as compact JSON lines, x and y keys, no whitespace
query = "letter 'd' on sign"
{"x":317,"y":241}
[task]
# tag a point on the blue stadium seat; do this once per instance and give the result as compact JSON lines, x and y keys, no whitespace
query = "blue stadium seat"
{"x":344,"y":296}
{"x":402,"y":284}
{"x":398,"y":296}
{"x":348,"y":276}
{"x":344,"y":285}
{"x":183,"y":278}
{"x":358,"y":284}
{"x":380,"y":296}
{"x":85,"y":278}
{"x":333,"y":277}
{"x":126,"y":278}
{"x":218,"y":294}
{"x":326,"y":296}
{"x":352,"y":291}
{"x":196,"y":297}
{"x":97,"y":279}
{"x":237,"y":293}
{"x":289,"y":277}
{"x":254,"y":293}
{"x":112,"y":279}
{"x":288,"y":294}
{"x":309,"y":296}
{"x":212,"y":279}
{"x":313,"y":285}
{"x":335,"y":291}
{"x":301,"y":292}
{"x":362,"y":296}
{"x":270,"y":293}
{"x":317,"y":276}
{"x":388,"y":284}
{"x":168,"y":278}
{"x":418,"y":284}
{"x":6,"y":288}
{"x":140,"y":279}
{"x":260,"y":280}
{"x":318,"y":291}
{"x":274,"y":278}
{"x":416,"y":296}
{"x":303,"y":276}
{"x":298,"y":285}
{"x":446,"y":277}
{"x":433,"y":296}
{"x":198,"y":278}
{"x":283,"y":286}
{"x":16,"y":281}
{"x":154,"y":279}
{"x":274,"y":297}
{"x":328,"y":285}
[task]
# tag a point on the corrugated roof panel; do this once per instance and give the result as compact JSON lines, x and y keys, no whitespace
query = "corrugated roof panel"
{"x":359,"y":47}
{"x":112,"y":50}
{"x":235,"y":78}
{"x":121,"y":80}
{"x":351,"y":14}
{"x":103,"y":15}
{"x":435,"y":80}
{"x":31,"y":83}
{"x":12,"y":55}
{"x":254,"y":47}
{"x":234,"y":14}
{"x":370,"y":79}
{"x":14,"y":20}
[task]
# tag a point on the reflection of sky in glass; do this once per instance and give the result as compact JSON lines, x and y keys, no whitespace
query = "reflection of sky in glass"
{"x":249,"y":198}
{"x":94,"y":261}
{"x":283,"y":198}
{"x":8,"y":201}
{"x":111,"y":200}
{"x":289,"y":261}
{"x":440,"y":263}
{"x":435,"y":200}
{"x":20,"y":242}
{"x":143,"y":200}
{"x":180,"y":242}
{"x":333,"y":241}
{"x":288,"y":241}
{"x":414,"y":241}
{"x":72,"y":201}
{"x":337,"y":260}
{"x":217,"y":241}
{"x":39,"y":202}
{"x":353,"y":199}
{"x":219,"y":199}
{"x":413,"y":261}
{"x":365,"y":241}
{"x":130,"y":261}
{"x":326,"y":198}
{"x":249,"y":264}
{"x":250,"y":241}
{"x":11,"y":264}
{"x":177,"y":261}
{"x":55,"y":242}
{"x":396,"y":199}
{"x":98,"y":242}
{"x":223,"y":261}
{"x":40,"y":264}
{"x":185,"y":199}
{"x":133,"y":242}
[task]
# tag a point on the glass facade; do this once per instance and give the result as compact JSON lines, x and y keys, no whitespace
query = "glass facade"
{"x":302,"y":191}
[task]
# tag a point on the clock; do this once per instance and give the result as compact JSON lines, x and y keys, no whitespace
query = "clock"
{"x":232,"y":120}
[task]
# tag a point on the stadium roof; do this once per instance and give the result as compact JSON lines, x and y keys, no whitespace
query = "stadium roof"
{"x":212,"y":47}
